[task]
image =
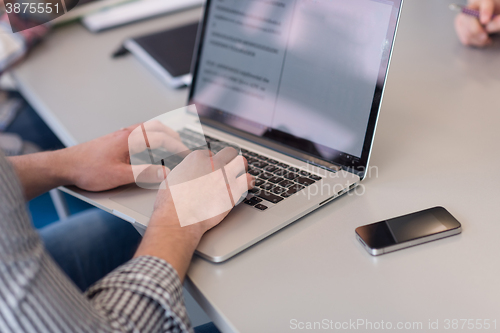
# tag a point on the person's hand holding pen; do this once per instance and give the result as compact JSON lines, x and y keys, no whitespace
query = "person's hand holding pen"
{"x":477,"y":22}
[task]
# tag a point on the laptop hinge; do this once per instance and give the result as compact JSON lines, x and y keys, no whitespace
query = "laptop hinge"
{"x":324,"y":165}
{"x":305,"y":158}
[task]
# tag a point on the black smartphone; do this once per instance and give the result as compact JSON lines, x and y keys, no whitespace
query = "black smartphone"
{"x":408,"y":230}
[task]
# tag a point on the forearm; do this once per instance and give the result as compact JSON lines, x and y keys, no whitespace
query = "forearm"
{"x":170,"y":242}
{"x":41,"y":172}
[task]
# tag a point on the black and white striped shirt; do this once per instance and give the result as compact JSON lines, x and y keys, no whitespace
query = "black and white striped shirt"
{"x":143,"y":295}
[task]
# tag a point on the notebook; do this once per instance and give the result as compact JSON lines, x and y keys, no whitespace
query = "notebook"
{"x":167,"y":54}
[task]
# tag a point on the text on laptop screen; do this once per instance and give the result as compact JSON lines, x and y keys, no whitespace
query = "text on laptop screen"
{"x":296,"y":70}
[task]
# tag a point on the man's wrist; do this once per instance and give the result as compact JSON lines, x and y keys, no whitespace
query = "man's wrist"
{"x":166,"y":222}
{"x":41,"y":172}
{"x":167,"y":240}
{"x":59,"y":167}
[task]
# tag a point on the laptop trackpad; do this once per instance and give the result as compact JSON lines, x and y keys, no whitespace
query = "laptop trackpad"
{"x":138,"y":199}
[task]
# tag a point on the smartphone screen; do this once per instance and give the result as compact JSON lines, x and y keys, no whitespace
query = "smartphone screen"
{"x":411,"y":229}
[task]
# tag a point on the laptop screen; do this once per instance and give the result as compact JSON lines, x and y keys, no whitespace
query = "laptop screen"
{"x":306,"y":75}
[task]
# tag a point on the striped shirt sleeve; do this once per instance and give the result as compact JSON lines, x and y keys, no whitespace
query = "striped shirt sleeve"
{"x":144,"y":295}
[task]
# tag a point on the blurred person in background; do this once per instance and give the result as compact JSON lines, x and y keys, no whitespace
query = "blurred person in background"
{"x":21,"y":129}
{"x":477,"y":32}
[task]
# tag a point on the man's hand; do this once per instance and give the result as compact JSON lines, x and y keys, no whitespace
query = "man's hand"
{"x":165,"y":237}
{"x":97,"y":165}
{"x":473,"y":32}
{"x":204,"y":188}
{"x":104,"y":163}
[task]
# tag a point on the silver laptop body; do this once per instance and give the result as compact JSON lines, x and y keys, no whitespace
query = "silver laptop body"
{"x":296,"y":82}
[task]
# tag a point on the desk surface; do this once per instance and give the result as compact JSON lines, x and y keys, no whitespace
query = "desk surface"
{"x":436,"y":145}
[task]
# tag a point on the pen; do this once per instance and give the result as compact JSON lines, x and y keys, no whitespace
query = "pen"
{"x":465,"y":10}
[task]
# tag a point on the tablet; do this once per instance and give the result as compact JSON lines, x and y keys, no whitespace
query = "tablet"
{"x":167,"y":54}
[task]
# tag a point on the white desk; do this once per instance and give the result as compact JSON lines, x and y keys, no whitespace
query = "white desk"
{"x":436,"y":145}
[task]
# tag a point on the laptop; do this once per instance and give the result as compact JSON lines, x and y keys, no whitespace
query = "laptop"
{"x":297,"y":85}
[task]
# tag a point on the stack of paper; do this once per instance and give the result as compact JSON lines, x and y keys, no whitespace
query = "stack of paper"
{"x":87,"y":9}
{"x":135,"y":11}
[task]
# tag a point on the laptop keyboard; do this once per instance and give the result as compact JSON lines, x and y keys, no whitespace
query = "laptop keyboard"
{"x":275,"y":181}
